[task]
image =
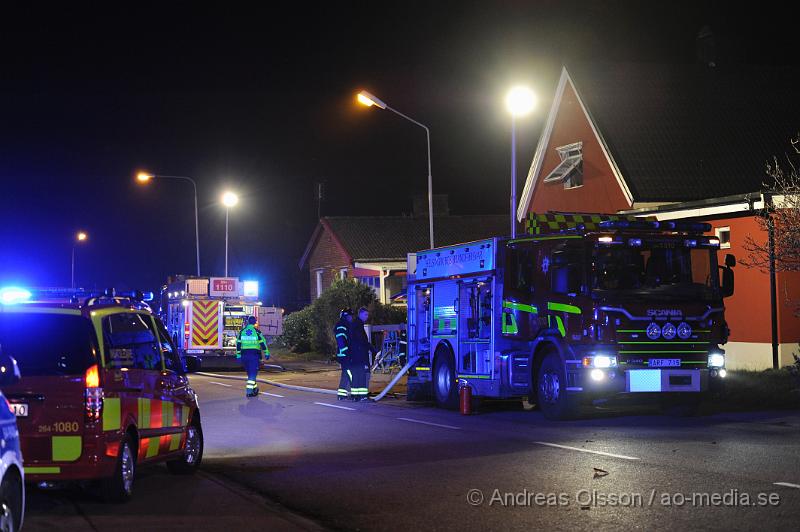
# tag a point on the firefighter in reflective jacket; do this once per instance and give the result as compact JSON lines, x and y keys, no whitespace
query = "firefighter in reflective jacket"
{"x":250,"y":344}
{"x":360,"y":348}
{"x":342,"y":333}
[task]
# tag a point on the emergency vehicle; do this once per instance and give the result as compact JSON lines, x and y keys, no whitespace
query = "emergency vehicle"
{"x":204,"y":315}
{"x":582,"y":307}
{"x":12,"y":483}
{"x":103,"y":391}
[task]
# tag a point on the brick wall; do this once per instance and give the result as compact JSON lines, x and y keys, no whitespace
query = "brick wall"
{"x":327,"y":256}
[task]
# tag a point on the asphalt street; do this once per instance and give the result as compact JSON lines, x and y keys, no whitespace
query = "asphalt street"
{"x":296,"y":460}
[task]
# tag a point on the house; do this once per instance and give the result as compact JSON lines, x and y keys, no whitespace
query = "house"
{"x":373,"y":249}
{"x":678,"y":142}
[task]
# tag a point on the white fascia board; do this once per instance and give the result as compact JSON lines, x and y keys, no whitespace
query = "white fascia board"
{"x":381,"y":266}
{"x":731,"y":208}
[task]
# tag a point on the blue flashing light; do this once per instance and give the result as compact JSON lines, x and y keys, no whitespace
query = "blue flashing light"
{"x":690,"y":243}
{"x":250,"y":288}
{"x":12,"y":294}
{"x":635,"y":242}
{"x":147,"y":296}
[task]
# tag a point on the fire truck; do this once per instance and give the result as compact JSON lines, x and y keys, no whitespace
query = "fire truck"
{"x":580,"y":309}
{"x":204,"y":314}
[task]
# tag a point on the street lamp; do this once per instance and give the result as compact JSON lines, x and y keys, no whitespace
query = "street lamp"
{"x":365,"y":98}
{"x":144,"y":178}
{"x":519,"y":101}
{"x":229,"y":199}
{"x":79,"y":237}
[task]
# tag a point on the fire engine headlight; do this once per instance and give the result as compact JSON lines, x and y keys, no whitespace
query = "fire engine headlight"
{"x":669,"y":331}
{"x":599,"y":361}
{"x":684,"y":331}
{"x":598,"y":374}
{"x":716,"y":360}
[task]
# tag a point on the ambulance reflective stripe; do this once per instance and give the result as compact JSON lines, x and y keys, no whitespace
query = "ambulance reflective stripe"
{"x":143,"y":417}
{"x":66,"y":448}
{"x":111,"y":413}
{"x":205,"y":323}
{"x":42,"y":470}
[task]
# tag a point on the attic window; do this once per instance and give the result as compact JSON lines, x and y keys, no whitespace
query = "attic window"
{"x":570,"y":169}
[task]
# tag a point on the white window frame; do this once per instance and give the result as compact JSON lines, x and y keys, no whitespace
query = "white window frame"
{"x":342,"y":273}
{"x":570,"y":167}
{"x":718,"y":233}
{"x":318,"y":275}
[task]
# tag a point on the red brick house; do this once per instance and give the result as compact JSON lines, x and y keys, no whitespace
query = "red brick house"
{"x":373,"y":249}
{"x":679,"y":142}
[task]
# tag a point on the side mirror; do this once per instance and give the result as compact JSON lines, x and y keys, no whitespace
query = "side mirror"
{"x":730,"y":260}
{"x":9,"y":370}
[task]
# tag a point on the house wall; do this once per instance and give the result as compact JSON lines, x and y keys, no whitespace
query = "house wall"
{"x":600,"y":191}
{"x":329,"y":257}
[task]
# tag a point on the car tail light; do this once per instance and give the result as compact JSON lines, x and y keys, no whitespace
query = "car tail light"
{"x":94,"y":394}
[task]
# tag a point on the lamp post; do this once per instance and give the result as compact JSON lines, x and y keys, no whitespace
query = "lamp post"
{"x":229,"y":199}
{"x":369,"y":100}
{"x":520,"y":101}
{"x":144,"y":177}
{"x":80,"y":237}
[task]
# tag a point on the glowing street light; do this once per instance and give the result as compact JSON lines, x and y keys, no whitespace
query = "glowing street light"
{"x":79,"y":237}
{"x":520,"y":101}
{"x":144,"y":178}
{"x":370,"y":100}
{"x":229,"y":199}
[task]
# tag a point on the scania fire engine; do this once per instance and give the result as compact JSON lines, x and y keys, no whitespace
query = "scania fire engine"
{"x":582,"y":307}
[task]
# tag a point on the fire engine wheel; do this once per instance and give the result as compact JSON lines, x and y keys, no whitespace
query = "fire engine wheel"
{"x":551,"y":385}
{"x":119,"y":488}
{"x":192,"y":454}
{"x":11,"y":496}
{"x":445,"y":389}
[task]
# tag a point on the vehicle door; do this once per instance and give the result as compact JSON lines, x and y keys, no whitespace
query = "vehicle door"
{"x":132,"y":346}
{"x":568,"y":287}
{"x":174,"y":393}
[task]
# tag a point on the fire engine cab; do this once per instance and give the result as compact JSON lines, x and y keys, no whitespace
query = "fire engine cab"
{"x":583,"y":307}
{"x":103,"y":389}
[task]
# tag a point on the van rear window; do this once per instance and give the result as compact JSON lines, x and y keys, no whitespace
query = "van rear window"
{"x":48,"y":344}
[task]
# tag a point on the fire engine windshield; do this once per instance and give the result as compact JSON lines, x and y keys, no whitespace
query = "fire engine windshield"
{"x":47,"y":344}
{"x":664,"y":270}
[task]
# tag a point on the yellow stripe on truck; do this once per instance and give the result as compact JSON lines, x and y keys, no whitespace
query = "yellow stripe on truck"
{"x":42,"y":470}
{"x":175,"y":442}
{"x":167,"y":414}
{"x":66,"y":448}
{"x":144,"y":413}
{"x":111,"y":413}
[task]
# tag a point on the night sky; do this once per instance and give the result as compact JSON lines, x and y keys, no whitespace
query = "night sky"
{"x":261,"y":100}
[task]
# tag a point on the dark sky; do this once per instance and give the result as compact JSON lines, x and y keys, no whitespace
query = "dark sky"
{"x":261,"y":100}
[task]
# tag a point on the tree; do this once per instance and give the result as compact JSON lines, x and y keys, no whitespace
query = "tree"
{"x":781,"y":213}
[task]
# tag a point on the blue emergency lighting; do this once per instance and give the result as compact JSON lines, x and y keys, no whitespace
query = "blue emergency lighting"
{"x":147,"y":296}
{"x":250,"y":288}
{"x":691,"y":243}
{"x":635,"y":242}
{"x":12,"y":294}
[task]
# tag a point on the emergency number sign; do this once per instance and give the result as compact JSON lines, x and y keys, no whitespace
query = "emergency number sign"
{"x":224,"y":286}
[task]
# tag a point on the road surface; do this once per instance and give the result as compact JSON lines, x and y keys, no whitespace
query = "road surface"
{"x":294,"y":460}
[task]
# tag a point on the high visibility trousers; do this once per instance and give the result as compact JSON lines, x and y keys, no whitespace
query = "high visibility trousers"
{"x":358,"y":386}
{"x":250,"y":360}
{"x":344,"y":380}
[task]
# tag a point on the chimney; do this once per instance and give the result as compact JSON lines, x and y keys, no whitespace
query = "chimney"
{"x":440,"y":206}
{"x":706,"y":47}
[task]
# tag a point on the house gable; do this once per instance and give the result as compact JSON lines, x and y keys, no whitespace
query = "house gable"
{"x":602,"y":188}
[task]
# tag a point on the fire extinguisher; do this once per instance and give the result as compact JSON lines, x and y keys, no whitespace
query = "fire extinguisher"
{"x":465,"y":397}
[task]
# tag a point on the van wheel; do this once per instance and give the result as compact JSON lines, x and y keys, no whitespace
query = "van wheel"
{"x":445,"y":388}
{"x":188,"y":463}
{"x":11,"y":497}
{"x":551,"y":390}
{"x":119,"y":488}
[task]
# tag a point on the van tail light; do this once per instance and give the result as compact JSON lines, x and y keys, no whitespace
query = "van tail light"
{"x":94,"y":394}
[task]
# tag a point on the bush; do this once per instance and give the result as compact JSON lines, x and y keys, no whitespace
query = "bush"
{"x":312,"y":327}
{"x":297,"y":331}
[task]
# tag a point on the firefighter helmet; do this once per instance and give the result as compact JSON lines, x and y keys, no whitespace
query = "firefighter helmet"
{"x":346,"y":312}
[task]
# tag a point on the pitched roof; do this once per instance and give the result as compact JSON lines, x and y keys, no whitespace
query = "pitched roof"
{"x":373,"y":238}
{"x":687,"y":132}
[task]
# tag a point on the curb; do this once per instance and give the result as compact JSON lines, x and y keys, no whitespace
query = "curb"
{"x":273,"y":383}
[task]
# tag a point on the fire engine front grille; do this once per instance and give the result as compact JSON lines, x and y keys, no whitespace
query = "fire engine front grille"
{"x":636,"y":349}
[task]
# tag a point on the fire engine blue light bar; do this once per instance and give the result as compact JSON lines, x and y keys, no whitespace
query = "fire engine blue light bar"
{"x":12,"y":294}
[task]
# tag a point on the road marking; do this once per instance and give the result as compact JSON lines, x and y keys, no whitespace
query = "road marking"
{"x":271,"y":394}
{"x":334,"y":406}
{"x":585,"y":450}
{"x":788,"y":485}
{"x":221,"y":384}
{"x":428,"y":423}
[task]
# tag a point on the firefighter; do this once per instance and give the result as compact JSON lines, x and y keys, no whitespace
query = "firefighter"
{"x":342,"y":332}
{"x":360,"y":348}
{"x":250,"y":345}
